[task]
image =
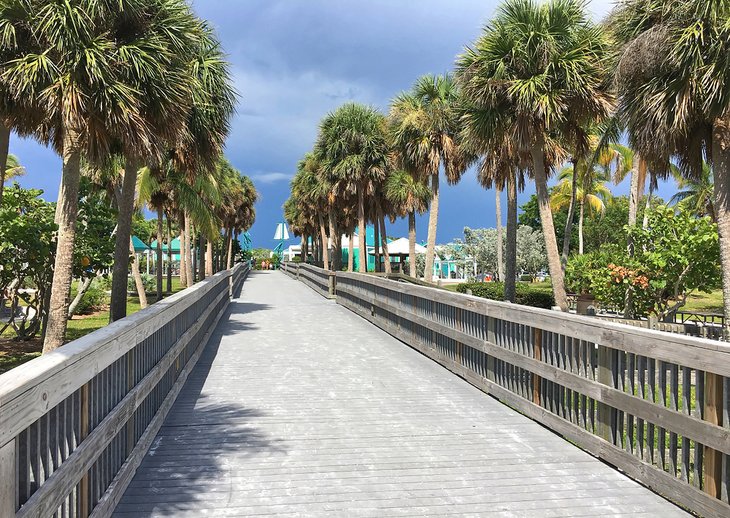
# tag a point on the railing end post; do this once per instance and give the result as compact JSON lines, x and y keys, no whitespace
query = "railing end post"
{"x":8,"y":480}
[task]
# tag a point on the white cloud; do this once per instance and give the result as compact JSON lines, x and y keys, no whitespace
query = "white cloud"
{"x":270,"y":177}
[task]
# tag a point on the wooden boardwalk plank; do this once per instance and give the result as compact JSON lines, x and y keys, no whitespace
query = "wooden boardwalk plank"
{"x":299,"y":407}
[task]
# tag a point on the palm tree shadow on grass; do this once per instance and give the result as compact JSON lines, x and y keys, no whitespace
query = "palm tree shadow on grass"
{"x":207,"y":440}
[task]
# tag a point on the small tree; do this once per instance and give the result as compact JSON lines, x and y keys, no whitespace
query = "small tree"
{"x":676,"y":255}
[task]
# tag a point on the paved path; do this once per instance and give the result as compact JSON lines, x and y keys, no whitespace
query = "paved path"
{"x":300,"y":408}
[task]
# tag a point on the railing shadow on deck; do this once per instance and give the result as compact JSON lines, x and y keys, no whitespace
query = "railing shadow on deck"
{"x":190,"y":458}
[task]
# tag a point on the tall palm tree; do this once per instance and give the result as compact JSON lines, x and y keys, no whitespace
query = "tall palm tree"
{"x":673,"y":78}
{"x":353,"y":144}
{"x":587,"y":187}
{"x":536,"y":74}
{"x":409,"y":196}
{"x":154,"y":191}
{"x":425,"y":126}
{"x":195,"y":138}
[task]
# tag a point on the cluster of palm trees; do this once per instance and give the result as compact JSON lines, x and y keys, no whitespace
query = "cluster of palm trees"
{"x":117,"y":86}
{"x":542,"y":86}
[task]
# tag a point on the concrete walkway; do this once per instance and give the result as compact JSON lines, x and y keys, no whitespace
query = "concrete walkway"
{"x":299,"y":407}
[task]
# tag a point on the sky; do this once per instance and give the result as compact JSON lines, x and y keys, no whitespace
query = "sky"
{"x":293,"y":61}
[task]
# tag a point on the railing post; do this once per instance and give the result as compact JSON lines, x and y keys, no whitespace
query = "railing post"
{"x":331,"y":284}
{"x":8,"y":480}
{"x":713,"y":414}
{"x":83,"y":432}
{"x":605,"y":418}
{"x":536,"y":380}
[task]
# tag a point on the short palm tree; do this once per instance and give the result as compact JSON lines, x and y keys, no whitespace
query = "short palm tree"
{"x":696,"y":194}
{"x":425,"y":127}
{"x":13,"y":169}
{"x":536,"y":73}
{"x":409,"y":196}
{"x":673,"y":77}
{"x":589,"y":189}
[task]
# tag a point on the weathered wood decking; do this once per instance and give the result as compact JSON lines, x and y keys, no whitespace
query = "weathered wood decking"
{"x":300,"y":407}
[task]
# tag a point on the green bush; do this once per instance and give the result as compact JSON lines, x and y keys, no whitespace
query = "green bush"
{"x":526,"y":295}
{"x":148,"y":281}
{"x":95,"y":299}
{"x":526,"y":278}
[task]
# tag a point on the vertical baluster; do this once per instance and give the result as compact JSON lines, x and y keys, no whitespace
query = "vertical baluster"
{"x":698,"y":412}
{"x":674,"y":405}
{"x":662,"y":402}
{"x":686,"y":409}
{"x":650,"y":440}
{"x":715,"y":405}
{"x":631,"y":377}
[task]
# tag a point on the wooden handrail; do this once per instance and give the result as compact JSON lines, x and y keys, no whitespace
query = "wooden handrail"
{"x":99,"y":401}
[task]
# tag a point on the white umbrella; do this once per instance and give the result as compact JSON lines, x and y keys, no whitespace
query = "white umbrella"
{"x":400,"y":247}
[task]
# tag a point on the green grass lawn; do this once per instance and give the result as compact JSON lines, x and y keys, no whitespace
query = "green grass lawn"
{"x":704,"y":302}
{"x":14,"y":353}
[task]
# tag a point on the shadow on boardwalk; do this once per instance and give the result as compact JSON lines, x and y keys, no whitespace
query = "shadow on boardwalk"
{"x":205,"y":435}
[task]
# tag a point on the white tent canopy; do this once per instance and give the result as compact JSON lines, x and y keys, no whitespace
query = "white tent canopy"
{"x":400,"y":247}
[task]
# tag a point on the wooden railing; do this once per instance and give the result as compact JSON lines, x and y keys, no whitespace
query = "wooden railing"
{"x":75,"y":423}
{"x":653,"y":404}
{"x":321,"y":281}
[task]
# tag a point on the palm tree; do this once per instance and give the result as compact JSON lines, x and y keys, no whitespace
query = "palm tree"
{"x":696,"y":194}
{"x":153,"y":190}
{"x":409,"y":196}
{"x":535,"y":75}
{"x":425,"y":126}
{"x":194,"y":138}
{"x":674,"y":86}
{"x":13,"y":169}
{"x":587,"y":187}
{"x":502,"y":167}
{"x":90,"y":111}
{"x":353,"y":145}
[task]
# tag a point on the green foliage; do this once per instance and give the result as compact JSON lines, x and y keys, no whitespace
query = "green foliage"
{"x":148,"y":281}
{"x":526,"y":295}
{"x":94,"y":246}
{"x":95,"y":299}
{"x":676,"y":255}
{"x":27,"y":252}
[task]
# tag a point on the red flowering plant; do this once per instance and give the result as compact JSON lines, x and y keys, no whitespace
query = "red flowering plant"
{"x":674,"y":256}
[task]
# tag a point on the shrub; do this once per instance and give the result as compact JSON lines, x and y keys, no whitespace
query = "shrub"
{"x":526,"y":278}
{"x":95,"y":299}
{"x":525,"y":294}
{"x":148,"y":281}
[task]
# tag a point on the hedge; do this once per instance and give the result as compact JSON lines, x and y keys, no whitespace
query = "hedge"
{"x":526,"y":295}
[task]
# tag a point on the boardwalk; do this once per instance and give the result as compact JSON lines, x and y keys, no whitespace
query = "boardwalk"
{"x":300,"y":408}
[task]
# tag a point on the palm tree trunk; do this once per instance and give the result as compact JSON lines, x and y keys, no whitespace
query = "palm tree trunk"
{"x":324,"y":247}
{"x":350,"y":252}
{"x":189,"y":251}
{"x":120,"y":270}
{"x":647,"y":207}
{"x":137,"y":276}
{"x":581,"y":219}
{"x":432,"y":223}
{"x":721,"y":171}
{"x":498,"y":210}
{"x":362,"y":250}
{"x":384,"y":242}
{"x":209,"y":267}
{"x":160,"y":267}
{"x":183,"y":254}
{"x":201,"y":257}
{"x":229,"y":253}
{"x":333,"y":232}
{"x":66,"y":211}
{"x":305,"y":248}
{"x":510,"y":279}
{"x":633,"y":207}
{"x":4,"y":151}
{"x":571,"y":214}
{"x":169,"y":254}
{"x":412,"y":268}
{"x":548,"y":228}
{"x":338,"y":247}
{"x":376,"y":242}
